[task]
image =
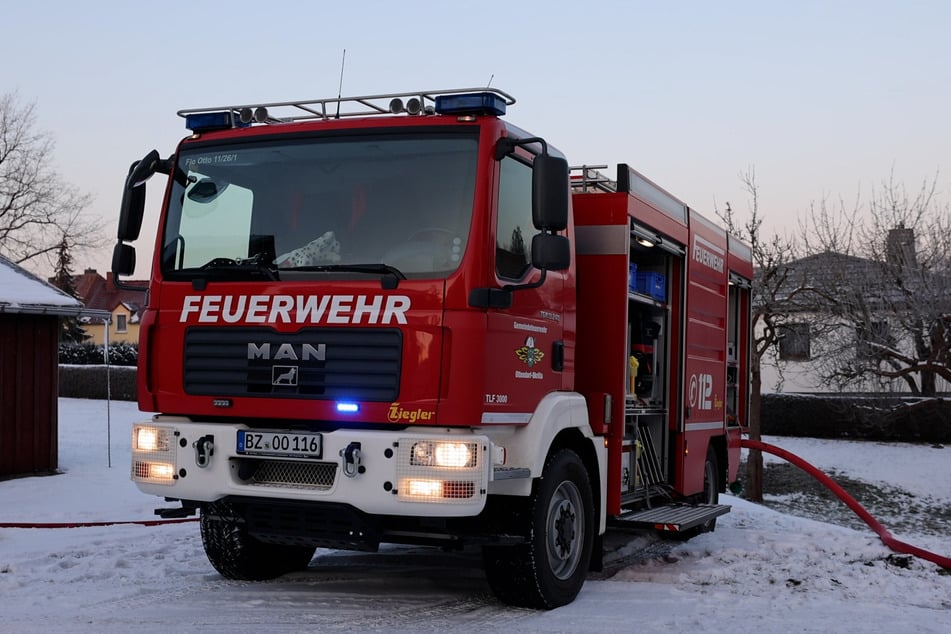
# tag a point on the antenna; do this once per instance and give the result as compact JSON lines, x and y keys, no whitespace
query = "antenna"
{"x":491,"y":77}
{"x":343,"y":62}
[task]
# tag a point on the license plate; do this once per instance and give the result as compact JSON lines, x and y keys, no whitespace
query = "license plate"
{"x":273,"y":443}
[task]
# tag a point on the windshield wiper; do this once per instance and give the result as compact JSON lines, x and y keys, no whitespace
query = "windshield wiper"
{"x":255,"y":264}
{"x":381,"y":269}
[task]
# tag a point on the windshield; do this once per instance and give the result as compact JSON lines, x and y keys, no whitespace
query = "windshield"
{"x":353,"y":205}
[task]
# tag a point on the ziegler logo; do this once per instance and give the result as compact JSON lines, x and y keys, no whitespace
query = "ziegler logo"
{"x":397,"y":414}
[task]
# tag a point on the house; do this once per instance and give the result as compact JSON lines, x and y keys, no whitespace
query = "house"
{"x":30,"y":310}
{"x":124,"y":306}
{"x":842,"y":314}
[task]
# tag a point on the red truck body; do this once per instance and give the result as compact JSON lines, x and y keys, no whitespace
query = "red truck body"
{"x":480,"y":334}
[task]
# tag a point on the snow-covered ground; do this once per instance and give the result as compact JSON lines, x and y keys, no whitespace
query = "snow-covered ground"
{"x":760,"y":571}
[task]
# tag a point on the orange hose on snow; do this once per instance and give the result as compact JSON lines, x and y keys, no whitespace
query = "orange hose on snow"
{"x":887,"y":538}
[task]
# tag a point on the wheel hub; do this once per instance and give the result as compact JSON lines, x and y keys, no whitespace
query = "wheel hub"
{"x":564,"y":529}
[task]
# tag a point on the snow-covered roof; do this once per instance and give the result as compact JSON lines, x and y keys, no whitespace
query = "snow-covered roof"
{"x":23,"y":292}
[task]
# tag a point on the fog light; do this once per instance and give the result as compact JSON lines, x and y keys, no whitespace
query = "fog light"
{"x":423,"y":488}
{"x":161,"y":472}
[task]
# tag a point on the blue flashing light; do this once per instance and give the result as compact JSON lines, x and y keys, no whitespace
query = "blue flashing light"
{"x":471,"y":103}
{"x":348,"y":408}
{"x":208,"y":121}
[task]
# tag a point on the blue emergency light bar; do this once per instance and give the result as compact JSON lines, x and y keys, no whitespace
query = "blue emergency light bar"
{"x":471,"y":103}
{"x":458,"y":102}
{"x":208,"y":121}
{"x":348,"y":408}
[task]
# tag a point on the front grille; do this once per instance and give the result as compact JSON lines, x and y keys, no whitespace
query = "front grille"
{"x":321,"y":363}
{"x":314,"y":476}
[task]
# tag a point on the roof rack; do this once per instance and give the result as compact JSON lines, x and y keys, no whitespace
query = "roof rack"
{"x":340,"y":107}
{"x":587,"y":178}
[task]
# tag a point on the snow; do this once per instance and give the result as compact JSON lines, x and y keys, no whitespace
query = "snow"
{"x":760,"y":571}
{"x":18,"y":288}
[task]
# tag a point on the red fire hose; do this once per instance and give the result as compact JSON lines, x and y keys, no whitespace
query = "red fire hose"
{"x":895,"y":544}
{"x":89,"y":524}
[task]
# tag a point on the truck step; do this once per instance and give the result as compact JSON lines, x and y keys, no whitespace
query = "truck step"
{"x":676,"y":517}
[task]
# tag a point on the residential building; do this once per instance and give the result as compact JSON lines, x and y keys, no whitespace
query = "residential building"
{"x":850,"y":313}
{"x":124,"y":306}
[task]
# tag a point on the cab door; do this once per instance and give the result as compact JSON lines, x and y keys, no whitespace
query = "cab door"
{"x":524,"y":342}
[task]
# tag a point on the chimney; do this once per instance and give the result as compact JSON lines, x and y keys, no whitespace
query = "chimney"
{"x":900,"y":247}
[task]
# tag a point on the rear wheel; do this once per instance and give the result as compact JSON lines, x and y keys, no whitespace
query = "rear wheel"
{"x":550,"y":569}
{"x":711,"y":488}
{"x":237,"y":555}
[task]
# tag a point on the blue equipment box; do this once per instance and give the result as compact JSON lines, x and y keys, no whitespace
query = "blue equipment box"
{"x":653,"y":284}
{"x":632,"y":277}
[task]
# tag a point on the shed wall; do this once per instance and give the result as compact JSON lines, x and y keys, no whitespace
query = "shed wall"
{"x":29,"y":387}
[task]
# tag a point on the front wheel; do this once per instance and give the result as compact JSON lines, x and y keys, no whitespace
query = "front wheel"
{"x":550,"y":569}
{"x":237,"y":555}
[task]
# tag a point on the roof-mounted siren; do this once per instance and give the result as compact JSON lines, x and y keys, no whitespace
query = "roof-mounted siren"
{"x":248,"y":116}
{"x":413,"y":106}
{"x":475,"y":103}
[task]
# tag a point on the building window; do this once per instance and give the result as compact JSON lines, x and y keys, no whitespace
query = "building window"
{"x":120,"y":323}
{"x":515,"y":228}
{"x":871,"y":338}
{"x":794,"y":342}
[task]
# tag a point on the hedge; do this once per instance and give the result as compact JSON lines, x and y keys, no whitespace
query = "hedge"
{"x":120,"y":353}
{"x":90,"y":381}
{"x":881,"y":418}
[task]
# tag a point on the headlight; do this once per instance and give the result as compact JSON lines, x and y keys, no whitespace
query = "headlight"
{"x":453,"y":454}
{"x":153,"y":456}
{"x":445,"y":454}
{"x":150,"y":439}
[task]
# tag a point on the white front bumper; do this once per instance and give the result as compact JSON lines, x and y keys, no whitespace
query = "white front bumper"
{"x":382,"y":480}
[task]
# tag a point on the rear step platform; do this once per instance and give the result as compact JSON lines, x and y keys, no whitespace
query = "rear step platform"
{"x":672,"y":517}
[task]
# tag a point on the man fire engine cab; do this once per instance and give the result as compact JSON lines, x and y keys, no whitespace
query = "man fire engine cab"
{"x":399,"y":318}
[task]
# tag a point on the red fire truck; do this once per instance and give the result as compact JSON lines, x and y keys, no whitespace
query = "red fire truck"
{"x":401,"y":319}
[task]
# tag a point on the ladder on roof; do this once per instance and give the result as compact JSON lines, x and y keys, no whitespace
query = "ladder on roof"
{"x":340,"y":107}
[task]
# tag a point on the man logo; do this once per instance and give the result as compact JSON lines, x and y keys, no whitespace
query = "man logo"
{"x":284,"y":375}
{"x":287,"y":352}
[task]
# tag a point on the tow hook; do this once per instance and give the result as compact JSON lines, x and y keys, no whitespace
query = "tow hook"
{"x":351,"y":460}
{"x":204,"y":450}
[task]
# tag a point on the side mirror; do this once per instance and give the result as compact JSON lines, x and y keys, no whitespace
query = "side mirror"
{"x":550,"y":193}
{"x":550,"y":252}
{"x":123,"y":259}
{"x":133,"y":196}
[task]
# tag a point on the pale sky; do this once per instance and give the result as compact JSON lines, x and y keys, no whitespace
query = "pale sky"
{"x":823,"y":99}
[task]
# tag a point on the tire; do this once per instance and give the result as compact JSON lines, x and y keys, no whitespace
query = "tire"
{"x":711,"y":488}
{"x":237,"y":555}
{"x":549,"y":570}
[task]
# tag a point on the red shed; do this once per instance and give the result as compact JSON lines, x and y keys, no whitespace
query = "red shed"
{"x":30,"y":310}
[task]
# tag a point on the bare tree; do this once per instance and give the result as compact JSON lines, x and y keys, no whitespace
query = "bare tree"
{"x":769,"y":260}
{"x":38,"y":210}
{"x":889,"y":321}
